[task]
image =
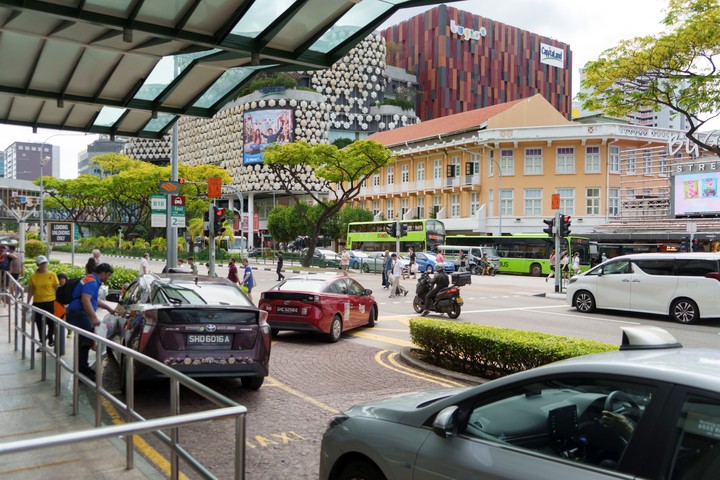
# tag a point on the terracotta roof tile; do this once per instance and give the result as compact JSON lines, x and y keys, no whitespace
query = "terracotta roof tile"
{"x":440,"y":126}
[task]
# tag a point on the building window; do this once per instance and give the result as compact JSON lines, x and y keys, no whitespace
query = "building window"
{"x":614,"y":201}
{"x":647,"y":163}
{"x":455,"y":205}
{"x":403,"y":207}
{"x":491,"y":202}
{"x":389,"y":210}
{"x":376,"y":180}
{"x":454,"y":167}
{"x":474,"y":203}
{"x":567,"y":200}
{"x":491,"y":164}
{"x":592,"y":159}
{"x":506,"y":201}
{"x":592,"y":201}
{"x":420,"y":204}
{"x":420,"y":173}
{"x":533,"y":161}
{"x":437,"y":168}
{"x":475,"y":161}
{"x":375,"y":207}
{"x":405,"y":173}
{"x":630,"y":168}
{"x":507,"y":162}
{"x":663,"y":163}
{"x":614,"y":160}
{"x":533,"y":202}
{"x":565,"y":160}
{"x":390,"y":175}
{"x":437,"y":203}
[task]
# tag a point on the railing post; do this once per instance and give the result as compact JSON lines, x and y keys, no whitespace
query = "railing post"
{"x":174,"y":432}
{"x":99,"y":372}
{"x":240,"y":447}
{"x":76,"y":368}
{"x":130,"y":406}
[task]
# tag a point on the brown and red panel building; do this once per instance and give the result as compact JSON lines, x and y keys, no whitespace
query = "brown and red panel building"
{"x":465,"y":62}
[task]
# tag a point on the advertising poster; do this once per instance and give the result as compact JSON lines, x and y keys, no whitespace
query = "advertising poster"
{"x":696,"y":194}
{"x":263,"y":128}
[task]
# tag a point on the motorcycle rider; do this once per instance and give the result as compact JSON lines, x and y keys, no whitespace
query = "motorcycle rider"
{"x":485,"y":265}
{"x":440,"y":280}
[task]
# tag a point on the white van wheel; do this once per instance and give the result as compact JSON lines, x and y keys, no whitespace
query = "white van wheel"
{"x":684,"y":310}
{"x":584,"y":301}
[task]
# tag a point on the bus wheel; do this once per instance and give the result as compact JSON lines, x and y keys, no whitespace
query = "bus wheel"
{"x":535,"y":270}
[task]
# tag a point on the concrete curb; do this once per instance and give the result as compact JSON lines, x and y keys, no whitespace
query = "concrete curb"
{"x":409,"y":359}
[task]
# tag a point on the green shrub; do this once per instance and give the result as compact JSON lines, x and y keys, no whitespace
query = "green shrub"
{"x":33,"y":248}
{"x":120,"y":276}
{"x":398,"y":102}
{"x":492,"y":352}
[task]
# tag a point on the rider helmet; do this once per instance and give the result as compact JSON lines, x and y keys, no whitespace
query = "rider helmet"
{"x":438,"y":268}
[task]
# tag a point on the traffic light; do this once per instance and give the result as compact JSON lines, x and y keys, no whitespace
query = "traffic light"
{"x":391,"y":229}
{"x":218,"y":221}
{"x":181,"y":181}
{"x":550,"y":224}
{"x":403,"y":230}
{"x":564,"y":227}
{"x":695,"y":245}
{"x":206,"y":220}
{"x":684,"y":244}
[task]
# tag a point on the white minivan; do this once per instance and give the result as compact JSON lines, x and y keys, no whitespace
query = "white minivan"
{"x":685,"y":286}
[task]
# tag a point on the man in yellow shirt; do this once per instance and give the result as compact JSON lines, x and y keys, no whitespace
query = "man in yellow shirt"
{"x":41,"y":293}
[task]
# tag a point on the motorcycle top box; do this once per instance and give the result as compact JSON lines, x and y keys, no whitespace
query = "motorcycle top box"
{"x":461,"y":278}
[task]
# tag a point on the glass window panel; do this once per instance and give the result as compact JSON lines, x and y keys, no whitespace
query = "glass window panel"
{"x":159,"y":123}
{"x":260,"y":16}
{"x":354,"y":19}
{"x":108,"y":116}
{"x":227,"y":81}
{"x":165,"y":71}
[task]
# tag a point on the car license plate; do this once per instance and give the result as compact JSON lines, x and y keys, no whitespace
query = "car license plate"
{"x":208,"y":339}
{"x":459,"y":301}
{"x":283,"y":309}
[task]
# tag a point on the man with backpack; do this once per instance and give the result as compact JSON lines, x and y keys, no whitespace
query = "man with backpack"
{"x":81,"y":311}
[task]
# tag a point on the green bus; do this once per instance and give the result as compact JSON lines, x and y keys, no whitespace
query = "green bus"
{"x":528,"y":253}
{"x":422,"y":236}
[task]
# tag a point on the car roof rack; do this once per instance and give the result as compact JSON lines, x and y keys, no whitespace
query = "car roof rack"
{"x":647,"y":337}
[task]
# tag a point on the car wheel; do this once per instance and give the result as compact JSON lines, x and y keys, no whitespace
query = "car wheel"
{"x":454,"y":311}
{"x":252,"y":383}
{"x":335,"y":329}
{"x":372,"y":319}
{"x":360,"y":470}
{"x":684,"y":310}
{"x":366,"y":268}
{"x":418,"y":304}
{"x":535,"y":270}
{"x":584,"y":301}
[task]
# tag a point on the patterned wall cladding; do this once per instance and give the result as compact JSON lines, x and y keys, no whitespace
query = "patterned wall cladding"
{"x":490,"y":63}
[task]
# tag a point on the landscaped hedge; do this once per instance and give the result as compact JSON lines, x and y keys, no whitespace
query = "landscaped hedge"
{"x":492,"y":352}
{"x":120,"y":276}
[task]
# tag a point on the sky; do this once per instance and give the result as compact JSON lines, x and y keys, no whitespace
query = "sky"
{"x":588,"y":27}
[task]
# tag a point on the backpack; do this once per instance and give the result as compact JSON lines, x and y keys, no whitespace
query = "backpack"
{"x":64,"y":293}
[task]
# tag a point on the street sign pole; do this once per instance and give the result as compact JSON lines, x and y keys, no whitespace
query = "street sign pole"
{"x":211,"y":241}
{"x":171,"y":232}
{"x":558,"y":273}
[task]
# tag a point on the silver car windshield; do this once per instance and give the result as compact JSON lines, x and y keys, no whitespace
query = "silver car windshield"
{"x":203,"y":294}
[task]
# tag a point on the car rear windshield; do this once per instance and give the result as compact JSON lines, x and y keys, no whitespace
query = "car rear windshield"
{"x":200,"y":294}
{"x":189,"y":316}
{"x":304,"y":285}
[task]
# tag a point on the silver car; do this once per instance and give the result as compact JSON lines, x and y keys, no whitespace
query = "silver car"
{"x":650,"y":410}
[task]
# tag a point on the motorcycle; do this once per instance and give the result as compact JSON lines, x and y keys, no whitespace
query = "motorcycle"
{"x":489,"y":269}
{"x":447,"y":300}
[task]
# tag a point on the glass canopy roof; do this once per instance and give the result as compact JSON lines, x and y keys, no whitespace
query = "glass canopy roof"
{"x":131,"y":67}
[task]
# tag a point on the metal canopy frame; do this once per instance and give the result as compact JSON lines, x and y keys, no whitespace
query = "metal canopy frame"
{"x":132,"y":67}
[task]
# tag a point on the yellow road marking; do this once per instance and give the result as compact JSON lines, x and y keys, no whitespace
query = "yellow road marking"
{"x":414,"y":373}
{"x":380,"y":338}
{"x":302,"y":396}
{"x":38,"y":467}
{"x":392,"y":358}
{"x":142,"y":446}
{"x":44,"y":430}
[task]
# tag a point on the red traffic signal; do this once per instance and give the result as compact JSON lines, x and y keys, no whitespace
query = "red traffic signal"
{"x":181,"y":181}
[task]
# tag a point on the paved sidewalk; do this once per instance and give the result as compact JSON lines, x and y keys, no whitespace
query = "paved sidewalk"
{"x":30,"y":409}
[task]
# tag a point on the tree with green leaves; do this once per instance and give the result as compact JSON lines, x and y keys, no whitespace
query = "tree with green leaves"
{"x":330,"y":176}
{"x":121,"y":198}
{"x":676,"y":68}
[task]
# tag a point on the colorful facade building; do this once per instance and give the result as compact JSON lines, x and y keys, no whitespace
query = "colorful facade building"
{"x":464,"y":62}
{"x":494,"y":170}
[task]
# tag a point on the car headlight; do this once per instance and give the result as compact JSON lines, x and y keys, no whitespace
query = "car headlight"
{"x":336,"y":421}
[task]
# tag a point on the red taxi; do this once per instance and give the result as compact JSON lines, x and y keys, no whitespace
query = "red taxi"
{"x":319,"y":303}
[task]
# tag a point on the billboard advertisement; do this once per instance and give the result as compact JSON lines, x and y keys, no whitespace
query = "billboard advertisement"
{"x":263,"y":128}
{"x":696,"y":194}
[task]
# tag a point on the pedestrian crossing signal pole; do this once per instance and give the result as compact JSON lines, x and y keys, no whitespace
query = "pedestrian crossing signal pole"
{"x":398,"y":233}
{"x":558,"y":238}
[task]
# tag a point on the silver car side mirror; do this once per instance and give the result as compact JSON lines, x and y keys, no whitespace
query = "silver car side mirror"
{"x":444,"y":424}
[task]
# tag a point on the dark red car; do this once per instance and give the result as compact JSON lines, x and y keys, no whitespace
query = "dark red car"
{"x":201,"y":326}
{"x":319,"y":303}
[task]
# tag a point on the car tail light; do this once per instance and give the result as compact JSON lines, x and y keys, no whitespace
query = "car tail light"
{"x":149,"y":322}
{"x":263,"y":317}
{"x":715,"y":275}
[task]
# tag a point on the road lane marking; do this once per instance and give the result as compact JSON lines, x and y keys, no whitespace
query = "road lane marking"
{"x":39,"y":467}
{"x":140,"y":444}
{"x":300,"y":395}
{"x":590,"y":317}
{"x":411,"y":372}
{"x":489,"y":310}
{"x":380,"y":338}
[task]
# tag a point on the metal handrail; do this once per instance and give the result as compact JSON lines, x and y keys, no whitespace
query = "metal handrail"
{"x":228,"y":408}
